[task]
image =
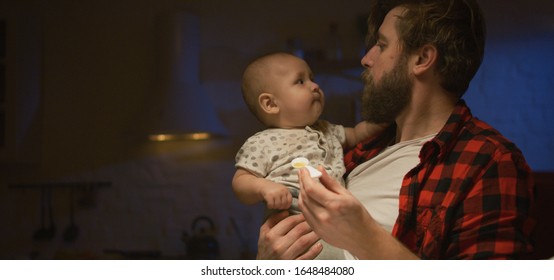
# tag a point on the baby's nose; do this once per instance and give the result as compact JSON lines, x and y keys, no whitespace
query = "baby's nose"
{"x":316,"y":88}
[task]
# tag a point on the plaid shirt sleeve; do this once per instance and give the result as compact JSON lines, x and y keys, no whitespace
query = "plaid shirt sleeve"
{"x":492,"y":220}
{"x":496,"y":222}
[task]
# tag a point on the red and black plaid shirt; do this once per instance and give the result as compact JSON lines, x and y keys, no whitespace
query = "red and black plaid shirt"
{"x":470,"y":196}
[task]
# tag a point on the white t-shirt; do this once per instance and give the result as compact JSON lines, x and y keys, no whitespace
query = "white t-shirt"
{"x":378,"y":188}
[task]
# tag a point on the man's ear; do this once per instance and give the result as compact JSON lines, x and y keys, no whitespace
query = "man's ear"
{"x":426,"y":59}
{"x":267,"y":103}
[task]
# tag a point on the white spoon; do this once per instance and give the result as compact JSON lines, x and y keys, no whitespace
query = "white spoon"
{"x":302,"y":162}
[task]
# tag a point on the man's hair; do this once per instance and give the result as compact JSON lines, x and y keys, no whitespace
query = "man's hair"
{"x":455,"y":27}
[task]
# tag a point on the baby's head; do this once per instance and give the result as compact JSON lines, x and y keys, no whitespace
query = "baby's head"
{"x":279,"y":90}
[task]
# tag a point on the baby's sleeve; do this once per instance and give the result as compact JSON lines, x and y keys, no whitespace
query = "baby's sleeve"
{"x":250,"y":157}
{"x":338,"y":132}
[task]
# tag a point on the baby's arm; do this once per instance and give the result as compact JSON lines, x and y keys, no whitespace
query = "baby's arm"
{"x":251,"y":189}
{"x":360,"y":132}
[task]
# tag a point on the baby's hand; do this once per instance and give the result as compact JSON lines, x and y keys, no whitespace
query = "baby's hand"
{"x":277,"y":197}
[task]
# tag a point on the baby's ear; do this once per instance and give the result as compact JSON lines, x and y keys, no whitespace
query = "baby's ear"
{"x":267,"y":103}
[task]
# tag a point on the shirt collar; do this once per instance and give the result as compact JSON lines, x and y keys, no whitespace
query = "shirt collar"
{"x":437,"y":147}
{"x":446,"y":138}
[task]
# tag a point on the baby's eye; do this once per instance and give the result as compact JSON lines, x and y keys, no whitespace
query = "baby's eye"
{"x":300,"y":81}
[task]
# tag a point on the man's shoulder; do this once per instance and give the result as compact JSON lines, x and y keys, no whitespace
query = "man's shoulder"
{"x":478,"y":135}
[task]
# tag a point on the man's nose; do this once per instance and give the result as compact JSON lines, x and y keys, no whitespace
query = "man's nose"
{"x":367,"y":61}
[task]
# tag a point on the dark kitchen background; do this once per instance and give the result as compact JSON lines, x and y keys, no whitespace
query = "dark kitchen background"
{"x":83,"y":82}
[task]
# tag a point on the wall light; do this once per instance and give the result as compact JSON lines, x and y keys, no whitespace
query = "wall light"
{"x":182,"y":136}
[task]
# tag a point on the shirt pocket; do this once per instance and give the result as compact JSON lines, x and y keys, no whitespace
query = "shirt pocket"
{"x":430,"y":231}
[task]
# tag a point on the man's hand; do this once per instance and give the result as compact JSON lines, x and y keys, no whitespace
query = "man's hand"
{"x":287,"y":237}
{"x":341,"y":220}
{"x":334,"y":214}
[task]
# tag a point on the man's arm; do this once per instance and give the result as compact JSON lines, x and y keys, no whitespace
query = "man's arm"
{"x":341,"y":220}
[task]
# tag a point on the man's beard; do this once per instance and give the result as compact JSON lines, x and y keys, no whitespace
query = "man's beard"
{"x":383,"y":102}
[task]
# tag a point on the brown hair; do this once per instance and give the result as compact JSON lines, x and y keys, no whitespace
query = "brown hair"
{"x":455,"y":27}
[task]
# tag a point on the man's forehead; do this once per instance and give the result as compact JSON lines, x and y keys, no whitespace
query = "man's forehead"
{"x":387,"y":28}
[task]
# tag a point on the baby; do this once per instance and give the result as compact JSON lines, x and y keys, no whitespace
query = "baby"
{"x":280,"y":91}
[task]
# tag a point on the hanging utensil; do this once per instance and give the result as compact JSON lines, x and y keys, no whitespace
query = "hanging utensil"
{"x":71,"y":233}
{"x":41,"y":232}
{"x":45,"y":233}
{"x":52,"y":227}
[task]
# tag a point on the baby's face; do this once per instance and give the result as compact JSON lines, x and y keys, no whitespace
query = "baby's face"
{"x":299,"y":98}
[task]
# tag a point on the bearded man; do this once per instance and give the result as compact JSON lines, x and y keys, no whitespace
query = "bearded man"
{"x":438,"y":183}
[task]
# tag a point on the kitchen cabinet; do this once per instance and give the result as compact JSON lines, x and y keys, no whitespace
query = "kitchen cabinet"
{"x":20,"y":88}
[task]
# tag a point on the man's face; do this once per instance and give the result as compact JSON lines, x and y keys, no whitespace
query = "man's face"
{"x":382,"y":102}
{"x":388,"y":87}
